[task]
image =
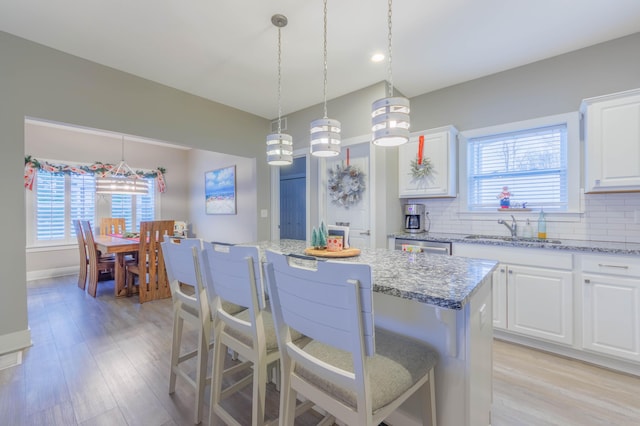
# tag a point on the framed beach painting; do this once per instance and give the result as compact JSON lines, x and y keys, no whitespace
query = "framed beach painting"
{"x":220,"y":191}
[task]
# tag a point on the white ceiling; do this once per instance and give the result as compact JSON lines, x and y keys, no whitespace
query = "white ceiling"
{"x":225,"y":50}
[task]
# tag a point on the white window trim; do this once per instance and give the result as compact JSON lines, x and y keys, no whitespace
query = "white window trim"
{"x":32,"y":245}
{"x":576,"y":200}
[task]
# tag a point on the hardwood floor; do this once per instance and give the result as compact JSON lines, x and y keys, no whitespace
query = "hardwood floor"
{"x":105,"y":361}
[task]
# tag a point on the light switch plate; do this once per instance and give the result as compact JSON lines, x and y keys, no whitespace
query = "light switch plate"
{"x":264,"y":213}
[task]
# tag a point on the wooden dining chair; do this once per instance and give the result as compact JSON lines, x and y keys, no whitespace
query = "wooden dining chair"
{"x":82,"y":250}
{"x":112,"y":225}
{"x":357,"y":373}
{"x":150,"y":268}
{"x":96,"y":262}
{"x":233,"y":276}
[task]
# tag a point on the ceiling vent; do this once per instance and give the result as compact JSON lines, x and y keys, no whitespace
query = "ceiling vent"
{"x":274,"y":125}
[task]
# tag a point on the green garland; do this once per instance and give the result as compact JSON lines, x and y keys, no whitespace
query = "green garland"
{"x":97,"y":168}
{"x":421,"y":171}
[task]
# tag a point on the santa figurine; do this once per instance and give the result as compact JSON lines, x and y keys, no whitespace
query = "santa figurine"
{"x":504,"y":197}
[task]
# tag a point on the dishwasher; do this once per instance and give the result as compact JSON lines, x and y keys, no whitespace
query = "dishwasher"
{"x":424,"y":246}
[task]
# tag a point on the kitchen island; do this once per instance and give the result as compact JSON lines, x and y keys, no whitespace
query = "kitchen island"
{"x":442,"y":300}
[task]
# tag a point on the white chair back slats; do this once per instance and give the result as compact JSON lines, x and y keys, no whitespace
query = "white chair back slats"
{"x":181,"y":260}
{"x":341,"y":369}
{"x":323,"y":308}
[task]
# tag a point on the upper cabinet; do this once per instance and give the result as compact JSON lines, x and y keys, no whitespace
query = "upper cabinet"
{"x":439,"y":149}
{"x":612,"y":142}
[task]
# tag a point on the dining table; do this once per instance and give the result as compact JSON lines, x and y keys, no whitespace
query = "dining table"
{"x":120,"y":246}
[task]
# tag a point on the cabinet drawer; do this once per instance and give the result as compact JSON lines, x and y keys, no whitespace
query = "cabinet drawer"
{"x":517,"y":256}
{"x":628,"y":266}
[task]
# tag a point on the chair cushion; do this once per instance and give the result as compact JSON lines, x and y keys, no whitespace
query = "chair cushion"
{"x":232,"y":308}
{"x":399,"y":362}
{"x":269,"y":330}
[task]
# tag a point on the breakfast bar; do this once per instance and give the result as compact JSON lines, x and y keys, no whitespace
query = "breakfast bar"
{"x":445,"y":301}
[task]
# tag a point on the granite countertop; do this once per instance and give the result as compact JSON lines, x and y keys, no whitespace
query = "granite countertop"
{"x":443,"y":281}
{"x":587,"y":246}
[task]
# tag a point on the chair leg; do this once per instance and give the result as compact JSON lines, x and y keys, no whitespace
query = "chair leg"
{"x":82,"y":277}
{"x":175,"y":350}
{"x":287,"y":395}
{"x":201,"y":375}
{"x":429,"y":408}
{"x":217,"y":373}
{"x":93,"y":281}
{"x":259,"y":390}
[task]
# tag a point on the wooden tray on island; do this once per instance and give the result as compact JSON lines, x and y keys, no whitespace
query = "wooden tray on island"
{"x":350,"y":252}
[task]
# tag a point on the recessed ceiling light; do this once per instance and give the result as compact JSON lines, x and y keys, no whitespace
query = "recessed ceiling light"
{"x":377,"y":57}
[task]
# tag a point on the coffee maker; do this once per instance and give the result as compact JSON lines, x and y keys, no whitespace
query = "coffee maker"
{"x":414,"y":218}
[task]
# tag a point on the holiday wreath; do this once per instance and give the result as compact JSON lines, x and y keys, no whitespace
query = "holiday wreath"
{"x":422,"y":169}
{"x":346,"y":185}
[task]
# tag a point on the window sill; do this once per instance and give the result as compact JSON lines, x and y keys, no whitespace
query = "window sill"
{"x":521,"y":213}
{"x":52,"y":247}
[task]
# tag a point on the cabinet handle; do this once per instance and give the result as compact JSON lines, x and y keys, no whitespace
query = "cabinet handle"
{"x":604,"y":265}
{"x":510,"y":271}
{"x":502,"y":270}
{"x":587,"y":281}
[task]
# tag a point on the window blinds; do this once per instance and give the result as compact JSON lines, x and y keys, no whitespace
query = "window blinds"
{"x":532,"y":163}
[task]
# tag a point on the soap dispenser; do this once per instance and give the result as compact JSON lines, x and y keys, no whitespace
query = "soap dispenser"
{"x":542,"y":226}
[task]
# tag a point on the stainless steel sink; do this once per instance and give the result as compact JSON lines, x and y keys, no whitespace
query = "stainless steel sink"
{"x":512,"y":239}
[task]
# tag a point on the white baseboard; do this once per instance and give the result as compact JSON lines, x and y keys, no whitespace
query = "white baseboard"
{"x":610,"y":362}
{"x":10,"y":360}
{"x":14,"y":342}
{"x":51,"y":273}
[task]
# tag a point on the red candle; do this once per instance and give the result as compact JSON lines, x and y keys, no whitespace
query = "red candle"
{"x":420,"y":148}
{"x":347,"y":156}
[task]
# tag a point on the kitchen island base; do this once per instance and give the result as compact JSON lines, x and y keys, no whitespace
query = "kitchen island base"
{"x":463,"y":339}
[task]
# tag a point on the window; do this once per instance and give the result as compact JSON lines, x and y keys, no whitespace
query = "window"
{"x":537,"y":160}
{"x":134,"y":208}
{"x":60,"y":198}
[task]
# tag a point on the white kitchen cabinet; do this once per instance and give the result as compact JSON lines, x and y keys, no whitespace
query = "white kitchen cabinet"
{"x":540,"y":303}
{"x":611,"y":305}
{"x":535,"y":301}
{"x":440,"y":147}
{"x":612,"y":142}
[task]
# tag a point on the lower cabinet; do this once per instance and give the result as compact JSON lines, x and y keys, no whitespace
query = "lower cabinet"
{"x":611,"y":306}
{"x":532,"y":291}
{"x":535,"y":302}
{"x":581,"y":305}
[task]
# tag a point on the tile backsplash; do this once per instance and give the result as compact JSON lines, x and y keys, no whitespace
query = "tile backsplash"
{"x":606,"y":217}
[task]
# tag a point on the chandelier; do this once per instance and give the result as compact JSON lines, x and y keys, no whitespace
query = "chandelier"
{"x":390,"y":115}
{"x":279,"y":145}
{"x":122,"y":180}
{"x":325,"y":132}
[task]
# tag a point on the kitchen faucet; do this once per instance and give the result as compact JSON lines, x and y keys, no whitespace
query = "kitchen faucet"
{"x":513,"y":228}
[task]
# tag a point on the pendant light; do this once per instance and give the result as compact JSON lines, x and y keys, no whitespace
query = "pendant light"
{"x":390,"y":116}
{"x":325,"y":132}
{"x":279,"y":145}
{"x":122,"y":180}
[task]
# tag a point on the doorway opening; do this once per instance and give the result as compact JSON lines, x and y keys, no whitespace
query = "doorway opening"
{"x":293,"y":200}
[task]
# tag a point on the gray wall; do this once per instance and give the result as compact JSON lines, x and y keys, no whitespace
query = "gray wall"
{"x":547,"y":87}
{"x":36,"y":81}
